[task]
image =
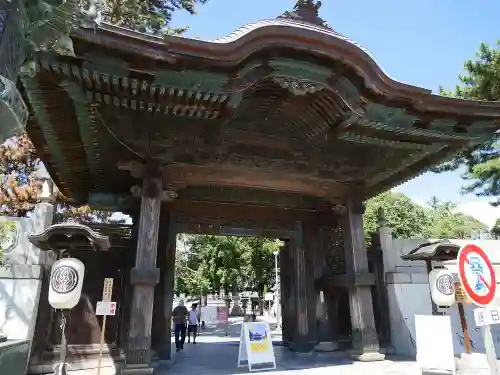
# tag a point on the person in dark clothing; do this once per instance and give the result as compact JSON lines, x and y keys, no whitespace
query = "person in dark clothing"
{"x":179,"y":316}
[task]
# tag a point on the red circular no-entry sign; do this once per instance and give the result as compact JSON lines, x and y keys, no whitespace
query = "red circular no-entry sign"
{"x":476,"y":274}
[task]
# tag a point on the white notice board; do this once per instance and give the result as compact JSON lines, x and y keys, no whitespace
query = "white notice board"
{"x":434,"y":342}
{"x":256,"y":347}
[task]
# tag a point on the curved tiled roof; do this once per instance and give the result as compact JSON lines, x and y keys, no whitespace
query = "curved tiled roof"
{"x":246,"y":29}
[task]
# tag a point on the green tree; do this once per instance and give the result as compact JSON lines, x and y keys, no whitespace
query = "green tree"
{"x":406,"y":218}
{"x":20,"y":185}
{"x":495,"y":230}
{"x":458,"y":226}
{"x":481,"y":81}
{"x":231,"y":263}
{"x":150,"y":16}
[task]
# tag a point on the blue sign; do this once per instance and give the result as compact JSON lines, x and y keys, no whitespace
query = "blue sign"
{"x":476,"y":266}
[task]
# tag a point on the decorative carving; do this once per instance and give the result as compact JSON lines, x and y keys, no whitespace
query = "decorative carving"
{"x":135,"y":168}
{"x":167,"y":195}
{"x":9,"y":238}
{"x":298,"y":86}
{"x":333,"y":241}
{"x":306,"y":11}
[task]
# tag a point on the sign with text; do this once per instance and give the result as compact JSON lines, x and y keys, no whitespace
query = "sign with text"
{"x":105,"y":308}
{"x":256,"y":347}
{"x":107,"y":289}
{"x":485,"y":316}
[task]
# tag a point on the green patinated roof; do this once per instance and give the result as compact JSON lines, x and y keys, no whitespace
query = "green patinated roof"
{"x":220,"y":115}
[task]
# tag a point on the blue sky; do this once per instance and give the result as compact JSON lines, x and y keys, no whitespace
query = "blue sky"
{"x":423,"y":43}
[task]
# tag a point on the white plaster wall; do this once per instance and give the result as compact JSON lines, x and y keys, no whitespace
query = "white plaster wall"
{"x":20,"y":282}
{"x":19,"y":294}
{"x":408,"y":293}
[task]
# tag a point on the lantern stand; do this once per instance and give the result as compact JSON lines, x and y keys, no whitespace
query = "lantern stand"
{"x":61,"y":238}
{"x":62,"y":366}
{"x":442,"y":251}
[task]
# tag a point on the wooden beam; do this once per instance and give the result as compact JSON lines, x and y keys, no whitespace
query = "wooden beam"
{"x":88,"y":131}
{"x":189,"y":175}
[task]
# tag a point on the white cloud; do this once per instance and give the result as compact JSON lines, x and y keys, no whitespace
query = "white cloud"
{"x":481,"y":209}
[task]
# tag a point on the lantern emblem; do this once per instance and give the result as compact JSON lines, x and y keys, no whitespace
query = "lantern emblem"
{"x":64,"y":279}
{"x":442,"y":287}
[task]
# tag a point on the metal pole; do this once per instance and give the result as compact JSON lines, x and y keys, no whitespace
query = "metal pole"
{"x":491,"y":354}
{"x":277,"y":290}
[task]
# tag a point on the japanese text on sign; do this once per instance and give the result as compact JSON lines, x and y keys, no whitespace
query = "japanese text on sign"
{"x":486,"y":316}
{"x":105,"y":308}
{"x":107,"y":289}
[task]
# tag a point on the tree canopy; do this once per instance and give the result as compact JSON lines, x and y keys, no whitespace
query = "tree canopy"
{"x":211,"y":263}
{"x":20,"y":186}
{"x":150,"y":16}
{"x":408,"y":219}
{"x":495,"y":230}
{"x":481,"y":81}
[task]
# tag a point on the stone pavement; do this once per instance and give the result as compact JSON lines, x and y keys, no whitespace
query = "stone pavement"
{"x":217,"y":354}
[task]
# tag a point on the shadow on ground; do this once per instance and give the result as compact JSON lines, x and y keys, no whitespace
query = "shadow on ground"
{"x":216,"y":352}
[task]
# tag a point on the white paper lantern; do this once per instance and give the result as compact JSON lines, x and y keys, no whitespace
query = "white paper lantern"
{"x":442,"y":287}
{"x":66,"y":281}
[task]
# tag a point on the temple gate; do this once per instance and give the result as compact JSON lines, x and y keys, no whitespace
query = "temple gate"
{"x":282,"y":129}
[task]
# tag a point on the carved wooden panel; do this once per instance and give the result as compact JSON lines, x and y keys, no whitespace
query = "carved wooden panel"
{"x":333,"y":241}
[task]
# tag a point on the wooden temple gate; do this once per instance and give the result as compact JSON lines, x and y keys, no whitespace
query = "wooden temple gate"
{"x":282,"y":129}
{"x":313,"y":259}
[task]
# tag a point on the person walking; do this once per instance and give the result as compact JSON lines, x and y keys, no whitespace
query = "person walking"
{"x":179,"y":317}
{"x":193,"y":323}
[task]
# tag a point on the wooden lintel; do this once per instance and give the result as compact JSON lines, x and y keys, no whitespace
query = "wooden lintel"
{"x":206,"y":211}
{"x":218,"y":175}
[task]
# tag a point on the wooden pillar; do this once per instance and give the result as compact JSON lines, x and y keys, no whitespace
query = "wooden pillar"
{"x":287,"y":301}
{"x":144,"y":275}
{"x":168,"y":270}
{"x":162,"y":321}
{"x":304,"y":338}
{"x":364,"y":335}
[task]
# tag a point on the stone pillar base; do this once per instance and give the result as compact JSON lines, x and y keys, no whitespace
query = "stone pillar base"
{"x":138,"y":370}
{"x":368,"y":356}
{"x":326,"y":346}
{"x":365,"y":345}
{"x":301,"y":347}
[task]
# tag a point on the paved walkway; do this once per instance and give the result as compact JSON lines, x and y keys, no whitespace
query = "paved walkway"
{"x":217,"y":354}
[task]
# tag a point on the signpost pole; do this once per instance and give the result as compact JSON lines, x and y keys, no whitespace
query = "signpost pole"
{"x":465,"y":329}
{"x":107,"y":291}
{"x":477,"y":277}
{"x":491,"y":354}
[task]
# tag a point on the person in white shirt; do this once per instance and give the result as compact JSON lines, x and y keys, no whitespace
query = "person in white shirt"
{"x":193,"y":323}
